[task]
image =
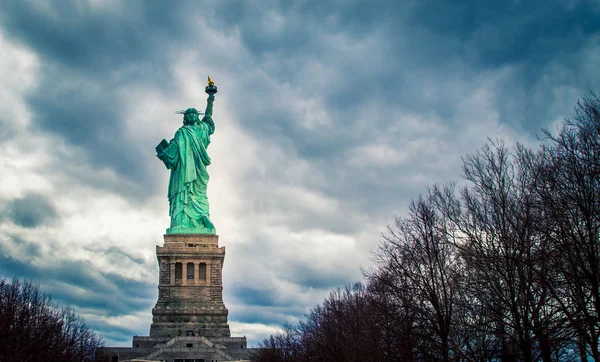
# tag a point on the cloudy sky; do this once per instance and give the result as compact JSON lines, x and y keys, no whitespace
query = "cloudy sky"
{"x":330,"y":117}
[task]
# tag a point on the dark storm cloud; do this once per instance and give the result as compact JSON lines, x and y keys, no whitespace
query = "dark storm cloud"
{"x":81,"y":285}
{"x":270,"y":316}
{"x":31,"y":210}
{"x":88,"y":52}
{"x":255,"y":296}
{"x":108,"y":292}
{"x":83,"y":49}
{"x":95,"y":41}
{"x":88,"y":56}
{"x":298,"y":34}
{"x":427,"y":38}
{"x":114,"y":253}
{"x":27,"y":248}
{"x":305,"y":278}
{"x":88,"y":117}
{"x":510,"y":31}
{"x":529,"y":36}
{"x":113,"y":333}
{"x":420,"y":46}
{"x":308,"y":276}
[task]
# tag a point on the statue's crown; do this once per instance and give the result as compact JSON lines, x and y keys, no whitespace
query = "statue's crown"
{"x":188,"y":111}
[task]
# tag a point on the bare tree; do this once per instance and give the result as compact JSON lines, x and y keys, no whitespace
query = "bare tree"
{"x":394,"y":303}
{"x":505,"y":254}
{"x":345,"y":327}
{"x":418,"y":260}
{"x":571,"y":201}
{"x":32,"y":328}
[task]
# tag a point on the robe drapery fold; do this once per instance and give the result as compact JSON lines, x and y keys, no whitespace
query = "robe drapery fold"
{"x":187,"y":158}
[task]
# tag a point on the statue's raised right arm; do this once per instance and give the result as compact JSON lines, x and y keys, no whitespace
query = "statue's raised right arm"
{"x":211,"y":90}
{"x":209,"y":105}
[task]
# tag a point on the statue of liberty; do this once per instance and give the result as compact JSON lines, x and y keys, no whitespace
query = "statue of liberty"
{"x":187,"y":159}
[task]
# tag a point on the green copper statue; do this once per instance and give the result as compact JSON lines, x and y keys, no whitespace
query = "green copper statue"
{"x":187,"y":159}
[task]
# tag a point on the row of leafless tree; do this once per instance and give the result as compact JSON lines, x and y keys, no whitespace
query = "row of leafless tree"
{"x":504,"y":267}
{"x":33,"y":328}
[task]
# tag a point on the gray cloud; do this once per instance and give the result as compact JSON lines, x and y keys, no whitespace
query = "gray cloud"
{"x":27,"y":248}
{"x":103,"y":291}
{"x":269,"y":316}
{"x":84,"y":287}
{"x":251,"y":296}
{"x":86,"y":55}
{"x":309,"y":276}
{"x":114,"y":252}
{"x":31,"y":210}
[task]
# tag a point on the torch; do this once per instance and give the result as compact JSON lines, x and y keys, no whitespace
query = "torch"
{"x":211,"y":88}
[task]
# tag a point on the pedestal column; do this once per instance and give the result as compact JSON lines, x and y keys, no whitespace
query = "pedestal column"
{"x":190,"y":306}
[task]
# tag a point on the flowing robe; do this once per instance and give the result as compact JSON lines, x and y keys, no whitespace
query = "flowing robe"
{"x":187,"y":159}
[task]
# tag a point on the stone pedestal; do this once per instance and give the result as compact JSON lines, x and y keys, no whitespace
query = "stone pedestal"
{"x":190,"y":288}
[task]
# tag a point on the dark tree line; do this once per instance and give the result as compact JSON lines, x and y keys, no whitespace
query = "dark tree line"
{"x":33,"y":328}
{"x":505,"y":267}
